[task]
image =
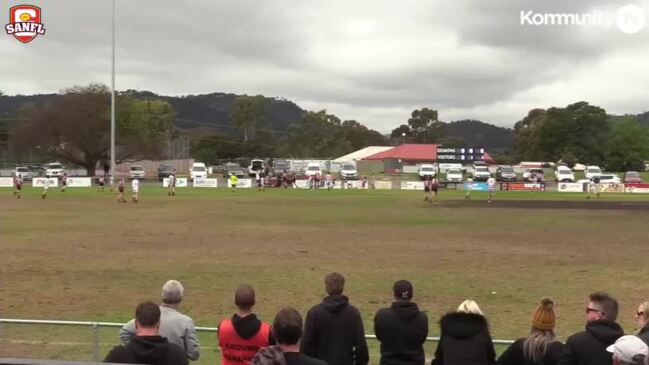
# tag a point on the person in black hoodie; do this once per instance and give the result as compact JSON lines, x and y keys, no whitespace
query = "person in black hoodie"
{"x":541,"y":346}
{"x":244,"y":334}
{"x":148,"y":347}
{"x":465,"y":338}
{"x":589,"y":347}
{"x":333,"y":330}
{"x":402,"y":329}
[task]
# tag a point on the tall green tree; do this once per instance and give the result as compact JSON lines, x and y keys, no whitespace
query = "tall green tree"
{"x":318,"y":134}
{"x":247,"y":114}
{"x":423,"y":126}
{"x":579,"y":130}
{"x":627,"y":148}
{"x":76,"y":128}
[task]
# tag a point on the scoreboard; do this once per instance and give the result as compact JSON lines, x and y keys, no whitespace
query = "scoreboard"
{"x":464,"y":154}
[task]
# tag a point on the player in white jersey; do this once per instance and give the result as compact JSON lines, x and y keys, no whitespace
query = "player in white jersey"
{"x":135,"y":187}
{"x":46,"y":185}
{"x":329,"y":181}
{"x":171,"y":187}
{"x":491,"y":185}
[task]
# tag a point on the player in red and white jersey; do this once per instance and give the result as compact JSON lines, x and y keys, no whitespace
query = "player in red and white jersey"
{"x":102,"y":183}
{"x":434,"y":186}
{"x":120,"y":189}
{"x":18,"y":183}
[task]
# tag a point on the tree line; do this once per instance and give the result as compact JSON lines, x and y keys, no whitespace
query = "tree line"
{"x":75,"y":127}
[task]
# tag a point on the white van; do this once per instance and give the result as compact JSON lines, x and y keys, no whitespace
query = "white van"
{"x":198,"y":171}
{"x":313,"y":168}
{"x":427,"y":170}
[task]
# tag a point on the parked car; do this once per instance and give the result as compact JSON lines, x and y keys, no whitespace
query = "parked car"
{"x":232,"y":168}
{"x":54,"y":169}
{"x":198,"y":170}
{"x":632,"y":177}
{"x":137,"y":171}
{"x":454,"y":175}
{"x":564,"y":174}
{"x":348,"y":171}
{"x":427,"y":170}
{"x":534,"y":174}
{"x":280,"y":166}
{"x":256,"y":165}
{"x":313,"y":168}
{"x":37,"y":170}
{"x":165,"y":170}
{"x":22,"y":172}
{"x":506,"y":173}
{"x":592,"y":171}
{"x":609,"y":179}
{"x":481,"y":173}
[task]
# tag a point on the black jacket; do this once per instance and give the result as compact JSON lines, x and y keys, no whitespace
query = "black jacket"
{"x":465,"y":340}
{"x":152,"y":350}
{"x":644,"y":334}
{"x":589,"y":347}
{"x":514,"y":354}
{"x":402,"y":331}
{"x":333,"y":332}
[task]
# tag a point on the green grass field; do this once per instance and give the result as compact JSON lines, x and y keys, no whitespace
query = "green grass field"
{"x":80,"y":255}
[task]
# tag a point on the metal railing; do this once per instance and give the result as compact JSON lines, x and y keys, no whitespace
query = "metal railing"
{"x":97,"y":325}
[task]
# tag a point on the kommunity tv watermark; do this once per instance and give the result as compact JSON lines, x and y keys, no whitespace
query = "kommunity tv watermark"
{"x":630,"y":19}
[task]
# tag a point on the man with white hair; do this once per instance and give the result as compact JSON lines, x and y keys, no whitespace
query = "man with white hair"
{"x":629,"y":350}
{"x":175,"y":326}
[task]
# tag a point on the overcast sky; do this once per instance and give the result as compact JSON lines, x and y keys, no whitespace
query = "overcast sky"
{"x":373,"y":61}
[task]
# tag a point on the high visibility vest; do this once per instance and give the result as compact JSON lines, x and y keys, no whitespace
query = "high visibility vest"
{"x":236,"y":350}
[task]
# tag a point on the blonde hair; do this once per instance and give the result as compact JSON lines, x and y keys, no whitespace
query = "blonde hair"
{"x":469,"y":306}
{"x":536,"y":345}
{"x":644,"y":308}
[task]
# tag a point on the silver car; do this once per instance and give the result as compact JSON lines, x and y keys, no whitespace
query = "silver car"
{"x":23,"y":173}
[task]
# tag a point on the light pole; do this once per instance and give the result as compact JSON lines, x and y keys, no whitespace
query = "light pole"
{"x":112,"y":106}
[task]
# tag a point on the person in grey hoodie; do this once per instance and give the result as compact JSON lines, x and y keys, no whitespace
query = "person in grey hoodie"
{"x":175,"y":326}
{"x":147,"y":346}
{"x":589,"y":347}
{"x":333,"y":330}
{"x":402,"y":329}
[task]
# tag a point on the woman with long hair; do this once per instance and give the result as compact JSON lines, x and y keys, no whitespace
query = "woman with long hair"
{"x":541,"y":346}
{"x":642,"y":318}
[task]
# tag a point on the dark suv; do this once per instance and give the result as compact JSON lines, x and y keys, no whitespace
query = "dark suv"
{"x":232,"y":168}
{"x":506,"y":173}
{"x":165,"y":170}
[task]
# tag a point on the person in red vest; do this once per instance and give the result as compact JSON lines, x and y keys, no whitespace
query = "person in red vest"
{"x":244,"y":334}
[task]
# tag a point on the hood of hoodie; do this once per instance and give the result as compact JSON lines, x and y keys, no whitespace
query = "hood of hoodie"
{"x":463,"y":325}
{"x":149,"y":347}
{"x":271,"y":355}
{"x":405,"y":310}
{"x":606,"y":331}
{"x":335,"y":303}
{"x":247,"y":326}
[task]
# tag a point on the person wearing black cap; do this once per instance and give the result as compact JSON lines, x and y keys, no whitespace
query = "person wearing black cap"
{"x":402,"y":329}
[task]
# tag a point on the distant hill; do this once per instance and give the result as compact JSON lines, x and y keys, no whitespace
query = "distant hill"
{"x":207,"y":112}
{"x":479,"y":134}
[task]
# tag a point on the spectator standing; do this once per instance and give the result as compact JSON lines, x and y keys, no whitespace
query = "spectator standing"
{"x":541,"y":346}
{"x":402,"y":328}
{"x":241,"y":336}
{"x":175,"y":326}
{"x":589,"y":347}
{"x":642,"y":319}
{"x":147,"y":346}
{"x":287,"y":328}
{"x":465,"y":337}
{"x":333,"y":330}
